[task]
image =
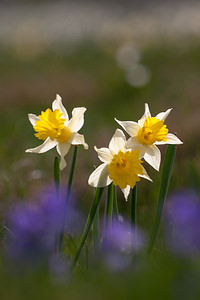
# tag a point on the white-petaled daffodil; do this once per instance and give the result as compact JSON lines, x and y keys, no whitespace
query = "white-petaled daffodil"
{"x":120,"y":165}
{"x":57,"y":130}
{"x":147,"y":133}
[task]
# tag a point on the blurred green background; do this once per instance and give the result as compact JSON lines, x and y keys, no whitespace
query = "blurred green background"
{"x":107,"y":59}
{"x":111,"y":58}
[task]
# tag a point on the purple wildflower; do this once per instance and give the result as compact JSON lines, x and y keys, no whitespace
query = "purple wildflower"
{"x":74,"y":221}
{"x":182,"y":223}
{"x":59,"y":268}
{"x":120,"y":243}
{"x":34,"y":230}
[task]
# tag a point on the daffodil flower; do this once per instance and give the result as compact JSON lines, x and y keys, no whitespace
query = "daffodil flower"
{"x":120,"y":166}
{"x":57,"y":130}
{"x":147,"y":133}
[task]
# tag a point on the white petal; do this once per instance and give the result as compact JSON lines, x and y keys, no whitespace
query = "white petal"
{"x":160,"y":143}
{"x":126,"y":192}
{"x":163,"y":115}
{"x":57,"y":104}
{"x":131,"y":128}
{"x":46,"y":146}
{"x":146,"y":115}
{"x":99,"y":177}
{"x":77,"y":120}
{"x":153,"y":156}
{"x":145,"y":175}
{"x":172,"y":139}
{"x":134,"y":144}
{"x":33,"y":118}
{"x":118,"y":142}
{"x":78,"y":139}
{"x":63,"y":149}
{"x":104,"y":154}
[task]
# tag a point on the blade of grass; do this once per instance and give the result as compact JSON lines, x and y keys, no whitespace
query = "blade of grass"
{"x":165,"y":179}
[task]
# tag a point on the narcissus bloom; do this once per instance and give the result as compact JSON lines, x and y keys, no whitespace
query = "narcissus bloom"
{"x":120,"y":166}
{"x":55,"y":128}
{"x":147,"y":133}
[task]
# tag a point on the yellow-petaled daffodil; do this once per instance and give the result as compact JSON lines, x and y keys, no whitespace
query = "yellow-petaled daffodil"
{"x":56,"y":129}
{"x":147,"y":133}
{"x":120,"y":165}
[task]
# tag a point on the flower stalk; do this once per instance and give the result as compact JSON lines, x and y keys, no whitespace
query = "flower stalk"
{"x":134,"y":207}
{"x":69,"y":185}
{"x":57,"y":175}
{"x":57,"y":187}
{"x":95,"y":228}
{"x":71,"y":174}
{"x":109,"y":205}
{"x":93,"y":209}
{"x":115,"y":204}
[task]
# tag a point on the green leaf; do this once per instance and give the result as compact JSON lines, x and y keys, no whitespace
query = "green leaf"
{"x":165,"y":179}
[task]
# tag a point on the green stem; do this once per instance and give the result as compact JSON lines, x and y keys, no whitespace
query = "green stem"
{"x":57,"y":175}
{"x":96,"y":229}
{"x":115,"y":205}
{"x":71,"y":174}
{"x":194,"y":176}
{"x":165,"y":179}
{"x":134,"y":207}
{"x":86,"y":255}
{"x":57,"y":186}
{"x":109,"y":206}
{"x":95,"y":203}
{"x":69,"y":185}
